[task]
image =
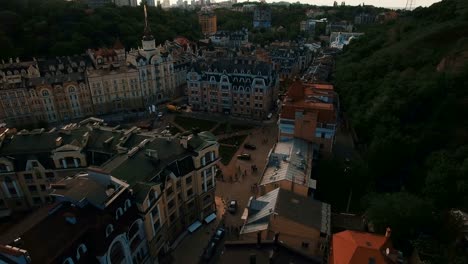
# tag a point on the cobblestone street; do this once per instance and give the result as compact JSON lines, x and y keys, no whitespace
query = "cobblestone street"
{"x":240,"y":188}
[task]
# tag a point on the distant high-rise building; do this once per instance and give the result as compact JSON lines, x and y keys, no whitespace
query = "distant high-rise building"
{"x":207,"y":20}
{"x":262,"y":17}
{"x":150,"y":3}
{"x":335,"y":4}
{"x":125,"y":2}
{"x":97,"y":3}
{"x":166,"y":4}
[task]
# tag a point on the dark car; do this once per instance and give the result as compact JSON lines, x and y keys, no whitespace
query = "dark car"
{"x":232,"y":206}
{"x":219,"y":234}
{"x":249,"y":146}
{"x":210,"y":250}
{"x":244,"y":156}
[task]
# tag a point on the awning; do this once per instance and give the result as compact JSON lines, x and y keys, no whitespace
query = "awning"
{"x":210,"y":218}
{"x":193,"y":227}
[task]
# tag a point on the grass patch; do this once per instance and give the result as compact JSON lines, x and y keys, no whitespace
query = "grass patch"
{"x":188,"y":123}
{"x":227,"y":128}
{"x":236,"y":140}
{"x":226,"y":153}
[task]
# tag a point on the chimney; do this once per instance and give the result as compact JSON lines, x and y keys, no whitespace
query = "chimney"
{"x":388,"y":232}
{"x":58,"y":141}
{"x":184,"y":142}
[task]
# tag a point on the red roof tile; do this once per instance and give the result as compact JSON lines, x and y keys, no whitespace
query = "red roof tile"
{"x":352,"y":247}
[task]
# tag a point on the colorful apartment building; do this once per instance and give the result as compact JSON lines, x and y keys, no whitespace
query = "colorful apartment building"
{"x":241,"y":86}
{"x":173,"y":181}
{"x":309,"y":112}
{"x":208,"y":22}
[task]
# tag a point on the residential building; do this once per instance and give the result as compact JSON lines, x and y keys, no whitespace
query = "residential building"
{"x":208,"y":22}
{"x":231,"y":39}
{"x":114,"y":84}
{"x":314,"y":26}
{"x":262,"y":16}
{"x":341,"y":26}
{"x":283,"y":212}
{"x":309,"y":111}
{"x":94,"y":220}
{"x":289,"y":58}
{"x":289,"y":167}
{"x":340,"y":39}
{"x":354,"y":247}
{"x":47,"y":90}
{"x":156,"y":70}
{"x":364,"y":19}
{"x":174,"y":184}
{"x":241,"y":86}
{"x":30,"y":161}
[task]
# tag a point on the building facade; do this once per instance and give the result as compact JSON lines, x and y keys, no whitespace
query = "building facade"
{"x":208,"y":22}
{"x":96,"y":218}
{"x":241,"y":87}
{"x":309,"y":112}
{"x":174,"y":186}
{"x":262,"y":16}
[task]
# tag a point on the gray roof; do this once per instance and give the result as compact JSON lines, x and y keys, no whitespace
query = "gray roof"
{"x":141,"y":167}
{"x":292,"y":161}
{"x":80,"y":188}
{"x":297,"y":208}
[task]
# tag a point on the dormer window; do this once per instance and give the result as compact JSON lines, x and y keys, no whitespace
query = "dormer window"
{"x":109,"y":229}
{"x":128,"y":204}
{"x":82,"y":249}
{"x":68,"y":261}
{"x":45,"y":93}
{"x":118,"y":213}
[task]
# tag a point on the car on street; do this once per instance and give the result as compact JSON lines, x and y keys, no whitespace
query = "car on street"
{"x":232,"y":207}
{"x":244,"y":156}
{"x":160,"y":115}
{"x":249,"y":146}
{"x":219,"y":234}
{"x":210,"y":250}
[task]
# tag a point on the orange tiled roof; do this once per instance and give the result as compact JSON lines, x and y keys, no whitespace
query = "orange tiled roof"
{"x":352,"y":247}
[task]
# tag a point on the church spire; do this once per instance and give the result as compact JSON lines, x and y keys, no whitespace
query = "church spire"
{"x":147,"y":33}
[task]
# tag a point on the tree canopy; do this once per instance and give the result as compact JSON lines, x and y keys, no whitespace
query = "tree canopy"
{"x":403,"y":85}
{"x":56,"y":27}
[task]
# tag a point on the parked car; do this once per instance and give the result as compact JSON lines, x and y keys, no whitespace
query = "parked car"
{"x":219,"y":234}
{"x":232,"y":207}
{"x":250,"y":146}
{"x":210,"y":250}
{"x":244,"y":156}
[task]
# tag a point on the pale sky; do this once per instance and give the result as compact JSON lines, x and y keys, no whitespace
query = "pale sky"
{"x":384,"y":3}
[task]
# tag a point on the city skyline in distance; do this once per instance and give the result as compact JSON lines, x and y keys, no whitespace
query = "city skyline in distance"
{"x":379,"y":3}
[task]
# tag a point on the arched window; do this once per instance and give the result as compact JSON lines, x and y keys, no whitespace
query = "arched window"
{"x":128,"y":204}
{"x":109,"y":229}
{"x":45,"y":93}
{"x":247,"y":89}
{"x":71,"y":89}
{"x":68,"y":261}
{"x":82,"y":249}
{"x":117,"y":254}
{"x":118,"y":213}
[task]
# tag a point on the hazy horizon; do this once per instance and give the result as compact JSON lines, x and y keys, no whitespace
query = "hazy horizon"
{"x":379,"y":3}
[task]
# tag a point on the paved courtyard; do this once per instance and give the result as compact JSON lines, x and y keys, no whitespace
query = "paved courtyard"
{"x":191,"y":247}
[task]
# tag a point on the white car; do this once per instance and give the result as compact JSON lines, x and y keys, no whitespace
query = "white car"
{"x":160,"y":114}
